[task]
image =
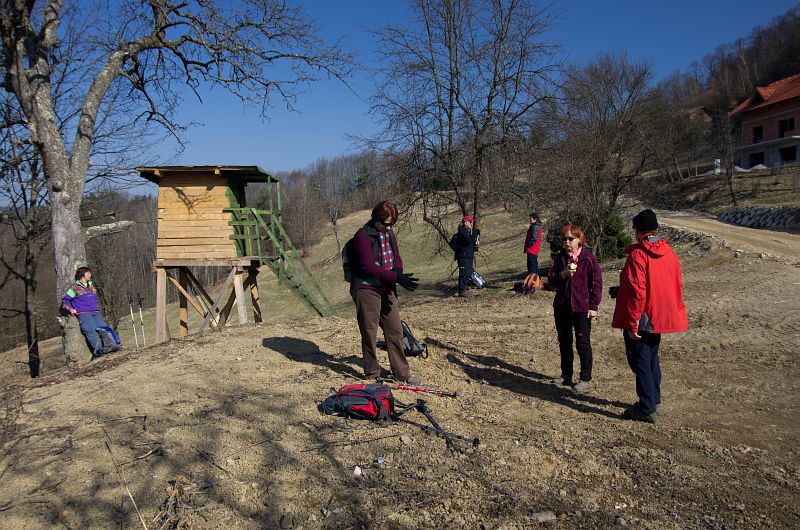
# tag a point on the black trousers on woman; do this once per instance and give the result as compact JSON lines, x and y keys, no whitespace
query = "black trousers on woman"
{"x":566,"y":322}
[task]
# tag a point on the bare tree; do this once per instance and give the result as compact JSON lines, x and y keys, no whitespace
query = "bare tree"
{"x":724,"y":136}
{"x":25,"y":220}
{"x":301,"y":214}
{"x":459,"y":87}
{"x":255,"y":49}
{"x":602,"y":131}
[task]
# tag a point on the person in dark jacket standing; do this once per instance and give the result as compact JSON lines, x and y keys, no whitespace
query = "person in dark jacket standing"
{"x":578,"y":281}
{"x":465,"y":241}
{"x":649,"y":303}
{"x":378,"y":270}
{"x":533,"y":240}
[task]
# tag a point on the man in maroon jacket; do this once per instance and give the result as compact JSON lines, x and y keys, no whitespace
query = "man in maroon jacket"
{"x":649,"y":303}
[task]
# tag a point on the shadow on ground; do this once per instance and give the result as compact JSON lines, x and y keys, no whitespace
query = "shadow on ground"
{"x":499,"y":373}
{"x":305,"y":351}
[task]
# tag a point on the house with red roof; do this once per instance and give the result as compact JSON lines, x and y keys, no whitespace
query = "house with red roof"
{"x":770,"y":119}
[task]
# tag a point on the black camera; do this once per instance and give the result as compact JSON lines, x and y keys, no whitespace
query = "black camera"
{"x":612,"y":291}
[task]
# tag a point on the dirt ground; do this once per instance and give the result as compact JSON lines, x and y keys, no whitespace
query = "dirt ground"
{"x":222,"y":430}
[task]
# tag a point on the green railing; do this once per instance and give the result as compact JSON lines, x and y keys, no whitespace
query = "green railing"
{"x":260,"y":234}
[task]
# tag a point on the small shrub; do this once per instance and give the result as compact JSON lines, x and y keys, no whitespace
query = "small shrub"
{"x":605,"y":237}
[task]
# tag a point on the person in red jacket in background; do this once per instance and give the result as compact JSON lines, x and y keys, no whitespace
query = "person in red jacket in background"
{"x":533,"y":240}
{"x":649,"y":303}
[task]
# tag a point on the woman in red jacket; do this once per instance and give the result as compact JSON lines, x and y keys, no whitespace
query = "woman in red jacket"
{"x":576,"y":276}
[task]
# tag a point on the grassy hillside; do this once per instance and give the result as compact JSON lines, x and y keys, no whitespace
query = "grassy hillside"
{"x":500,"y":260}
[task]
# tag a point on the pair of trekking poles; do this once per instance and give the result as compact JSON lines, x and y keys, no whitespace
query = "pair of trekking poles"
{"x":141,"y":320}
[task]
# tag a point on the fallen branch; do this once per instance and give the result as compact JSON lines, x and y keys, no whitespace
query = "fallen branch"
{"x":122,"y":476}
{"x":210,"y":458}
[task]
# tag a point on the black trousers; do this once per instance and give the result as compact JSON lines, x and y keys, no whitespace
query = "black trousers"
{"x":567,"y":322}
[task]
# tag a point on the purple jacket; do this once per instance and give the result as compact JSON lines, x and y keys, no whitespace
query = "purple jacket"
{"x":82,"y":298}
{"x":369,"y":273}
{"x":584,"y":290}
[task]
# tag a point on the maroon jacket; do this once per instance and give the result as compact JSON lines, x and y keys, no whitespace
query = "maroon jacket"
{"x":584,"y":290}
{"x":369,"y":274}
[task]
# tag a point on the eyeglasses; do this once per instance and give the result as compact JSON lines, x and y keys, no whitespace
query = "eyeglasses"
{"x":387,"y":225}
{"x":568,"y":238}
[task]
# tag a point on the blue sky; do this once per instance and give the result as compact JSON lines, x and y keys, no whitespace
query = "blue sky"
{"x":670,"y":34}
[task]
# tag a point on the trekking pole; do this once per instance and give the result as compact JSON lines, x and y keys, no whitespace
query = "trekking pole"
{"x":133,"y":322}
{"x":141,"y":320}
{"x":423,"y":408}
{"x":434,"y":391}
{"x":445,"y":434}
{"x":420,"y":405}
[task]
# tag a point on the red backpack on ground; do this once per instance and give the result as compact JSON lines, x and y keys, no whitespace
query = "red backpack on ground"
{"x":367,"y":402}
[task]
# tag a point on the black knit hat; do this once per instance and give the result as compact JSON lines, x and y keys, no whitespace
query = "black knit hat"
{"x":645,"y":221}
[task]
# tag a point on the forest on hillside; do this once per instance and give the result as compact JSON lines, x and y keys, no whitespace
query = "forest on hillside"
{"x":469,"y":130}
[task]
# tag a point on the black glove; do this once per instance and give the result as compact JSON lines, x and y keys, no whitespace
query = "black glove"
{"x":612,"y":291}
{"x":408,"y":281}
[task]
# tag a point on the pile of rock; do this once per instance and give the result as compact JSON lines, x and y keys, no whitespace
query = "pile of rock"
{"x":779,"y":217}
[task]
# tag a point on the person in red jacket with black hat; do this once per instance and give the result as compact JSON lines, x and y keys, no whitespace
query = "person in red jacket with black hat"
{"x":649,"y":303}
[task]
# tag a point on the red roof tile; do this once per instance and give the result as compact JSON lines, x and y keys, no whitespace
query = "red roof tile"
{"x":781,"y":90}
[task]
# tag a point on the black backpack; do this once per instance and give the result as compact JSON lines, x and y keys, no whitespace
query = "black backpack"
{"x":348,"y":258}
{"x":454,"y":244}
{"x":411,"y":346}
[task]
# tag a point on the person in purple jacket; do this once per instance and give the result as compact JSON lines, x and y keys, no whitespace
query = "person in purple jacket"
{"x":576,"y":276}
{"x":377,"y":270}
{"x":80,"y":300}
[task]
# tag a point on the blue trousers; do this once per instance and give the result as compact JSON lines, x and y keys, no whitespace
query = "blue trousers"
{"x":533,"y":264}
{"x":89,"y":323}
{"x":643,"y":359}
{"x":464,"y":273}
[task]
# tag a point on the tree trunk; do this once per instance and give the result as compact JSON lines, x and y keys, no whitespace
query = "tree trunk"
{"x":730,"y":186}
{"x":70,"y":253}
{"x":31,"y":332}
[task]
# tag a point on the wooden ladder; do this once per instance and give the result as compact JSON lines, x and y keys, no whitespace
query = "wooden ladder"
{"x":260,"y":233}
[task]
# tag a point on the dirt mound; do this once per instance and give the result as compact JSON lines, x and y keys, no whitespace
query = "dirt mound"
{"x":222,"y":430}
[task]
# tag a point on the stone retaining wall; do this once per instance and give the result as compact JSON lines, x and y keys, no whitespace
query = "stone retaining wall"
{"x":780,"y":217}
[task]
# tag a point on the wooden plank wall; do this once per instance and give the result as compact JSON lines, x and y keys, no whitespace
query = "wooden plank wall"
{"x":191,"y":223}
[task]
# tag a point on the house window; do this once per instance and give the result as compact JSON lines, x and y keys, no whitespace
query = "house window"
{"x":784,"y":126}
{"x":788,"y":154}
{"x":758,"y":134}
{"x":756,"y":159}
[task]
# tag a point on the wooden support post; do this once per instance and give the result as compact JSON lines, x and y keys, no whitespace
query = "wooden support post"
{"x":183,"y":281}
{"x":238,"y":288}
{"x":162,"y":328}
{"x":196,"y":302}
{"x":225,"y":310}
{"x":252,"y":280}
{"x":215,"y":306}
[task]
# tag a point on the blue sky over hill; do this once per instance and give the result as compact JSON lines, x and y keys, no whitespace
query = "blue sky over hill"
{"x":671,"y":35}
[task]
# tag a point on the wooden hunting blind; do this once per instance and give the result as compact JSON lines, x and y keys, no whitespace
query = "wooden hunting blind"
{"x":204,"y":221}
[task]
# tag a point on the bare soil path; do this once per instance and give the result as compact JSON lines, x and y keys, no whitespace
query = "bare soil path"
{"x":780,"y":244}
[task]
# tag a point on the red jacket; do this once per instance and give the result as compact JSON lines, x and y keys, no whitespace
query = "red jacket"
{"x":533,"y":239}
{"x":650,"y":296}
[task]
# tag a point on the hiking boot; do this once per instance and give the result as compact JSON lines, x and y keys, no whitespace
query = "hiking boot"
{"x":636,"y":414}
{"x":582,"y":387}
{"x":561,"y":381}
{"x":412,"y":381}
